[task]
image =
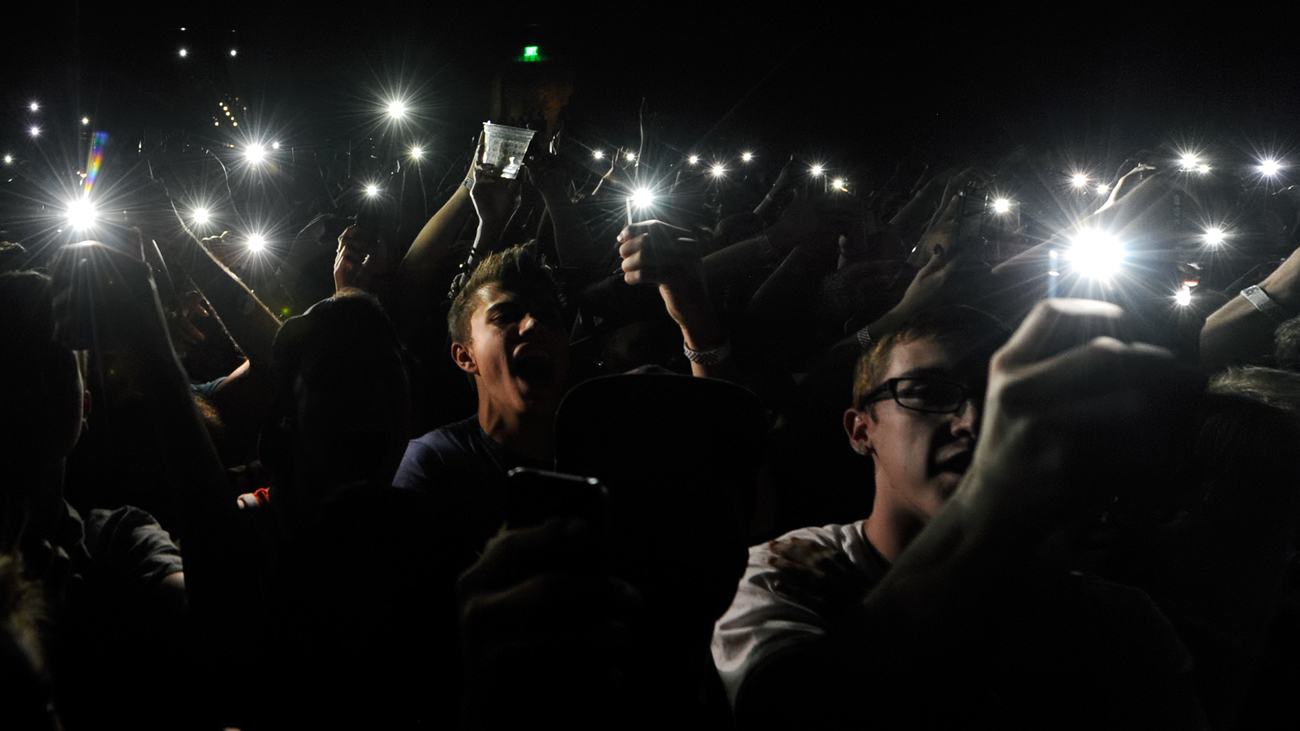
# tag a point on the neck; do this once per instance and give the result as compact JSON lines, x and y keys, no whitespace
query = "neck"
{"x":891,"y":527}
{"x":527,"y":434}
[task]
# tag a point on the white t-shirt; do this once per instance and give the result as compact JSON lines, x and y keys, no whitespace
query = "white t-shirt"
{"x":763,"y":619}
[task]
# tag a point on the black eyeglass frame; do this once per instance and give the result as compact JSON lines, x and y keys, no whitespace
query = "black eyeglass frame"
{"x":889,"y":389}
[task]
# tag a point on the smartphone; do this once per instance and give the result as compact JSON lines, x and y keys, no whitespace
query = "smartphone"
{"x":534,"y":496}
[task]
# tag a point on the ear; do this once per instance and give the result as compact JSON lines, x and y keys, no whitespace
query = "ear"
{"x":857,"y":424}
{"x":463,"y":356}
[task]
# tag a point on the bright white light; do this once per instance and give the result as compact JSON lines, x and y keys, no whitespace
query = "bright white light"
{"x":1184,"y":296}
{"x":1189,"y":162}
{"x":816,"y":170}
{"x":746,"y":156}
{"x":631,"y":156}
{"x":1214,"y":236}
{"x":1202,"y":168}
{"x":34,"y":106}
{"x":1270,"y":167}
{"x":598,"y":154}
{"x":255,"y":153}
{"x":693,"y":159}
{"x":256,"y":242}
{"x":85,"y":120}
{"x":35,"y":131}
{"x":718,"y":171}
{"x":416,"y":153}
{"x":642,"y":198}
{"x":1001,"y":205}
{"x":1103,"y":189}
{"x":9,"y":159}
{"x":838,"y":183}
{"x":185,"y":53}
{"x":396,"y":109}
{"x":81,"y":214}
{"x":233,"y":52}
{"x":200,"y":215}
{"x":1079,"y":180}
{"x":372,"y":190}
{"x":275,"y":145}
{"x":1096,"y":254}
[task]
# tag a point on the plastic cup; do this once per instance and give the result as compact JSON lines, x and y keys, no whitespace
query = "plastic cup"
{"x":505,"y":146}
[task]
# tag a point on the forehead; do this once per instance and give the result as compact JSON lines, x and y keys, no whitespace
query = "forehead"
{"x":922,"y":357}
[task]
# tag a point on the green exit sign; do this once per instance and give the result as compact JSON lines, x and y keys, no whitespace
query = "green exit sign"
{"x":531,"y":54}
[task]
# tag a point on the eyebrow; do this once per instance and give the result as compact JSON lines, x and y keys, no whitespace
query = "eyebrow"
{"x":924,"y":372}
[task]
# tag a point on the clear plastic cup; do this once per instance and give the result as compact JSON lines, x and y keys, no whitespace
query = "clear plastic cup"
{"x":505,"y":146}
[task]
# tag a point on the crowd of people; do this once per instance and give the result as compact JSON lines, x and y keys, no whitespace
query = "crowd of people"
{"x":766,"y":455}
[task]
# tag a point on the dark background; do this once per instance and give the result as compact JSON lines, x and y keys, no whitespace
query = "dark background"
{"x":861,"y":87}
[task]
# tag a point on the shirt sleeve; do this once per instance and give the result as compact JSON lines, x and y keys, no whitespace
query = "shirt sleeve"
{"x":762,"y":619}
{"x":419,"y":466}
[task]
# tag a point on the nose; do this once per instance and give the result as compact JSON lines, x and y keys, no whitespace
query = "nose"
{"x":529,"y":323}
{"x":967,"y":418}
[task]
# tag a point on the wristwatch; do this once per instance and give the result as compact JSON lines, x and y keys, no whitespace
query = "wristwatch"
{"x":1265,"y":304}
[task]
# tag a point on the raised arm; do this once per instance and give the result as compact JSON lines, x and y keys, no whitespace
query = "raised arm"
{"x":1241,"y":331}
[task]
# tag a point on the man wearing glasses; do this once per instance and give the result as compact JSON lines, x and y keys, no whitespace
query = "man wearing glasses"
{"x":954,"y":600}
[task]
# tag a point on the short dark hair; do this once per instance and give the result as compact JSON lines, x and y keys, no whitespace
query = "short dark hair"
{"x":518,"y":269}
{"x":972,"y":334}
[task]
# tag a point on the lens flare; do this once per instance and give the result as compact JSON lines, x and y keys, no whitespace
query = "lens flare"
{"x":1269,"y":167}
{"x":1215,"y":236}
{"x":1079,"y":180}
{"x":1001,"y":205}
{"x":184,"y":53}
{"x":718,"y":171}
{"x":1184,"y":296}
{"x":255,"y":153}
{"x":816,"y":170}
{"x":396,"y":109}
{"x":631,"y":157}
{"x":81,"y":214}
{"x":256,"y":242}
{"x":598,"y":154}
{"x":416,"y":153}
{"x":201,"y":215}
{"x":693,"y":159}
{"x":641,"y":198}
{"x":372,"y":190}
{"x":747,"y":156}
{"x":1096,"y":254}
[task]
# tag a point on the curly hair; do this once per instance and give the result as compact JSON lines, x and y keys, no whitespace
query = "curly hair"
{"x":518,"y":269}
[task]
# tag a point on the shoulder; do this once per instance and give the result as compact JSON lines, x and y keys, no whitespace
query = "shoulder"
{"x":459,"y":448}
{"x":763,"y":618}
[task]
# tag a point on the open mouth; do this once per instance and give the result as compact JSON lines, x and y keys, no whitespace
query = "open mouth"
{"x":535,"y":369}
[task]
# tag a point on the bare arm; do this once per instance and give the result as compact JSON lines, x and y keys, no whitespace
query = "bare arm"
{"x":1239,"y":333}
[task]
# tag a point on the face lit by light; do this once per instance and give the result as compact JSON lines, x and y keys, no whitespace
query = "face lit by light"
{"x":718,"y":171}
{"x":35,"y":131}
{"x":1184,"y":296}
{"x":1215,"y":236}
{"x":372,"y":190}
{"x":81,"y":214}
{"x":255,"y":153}
{"x":185,"y":53}
{"x":816,"y":171}
{"x":1270,"y":167}
{"x":1079,"y":180}
{"x":598,"y":154}
{"x":256,"y":242}
{"x":641,"y":198}
{"x":416,"y":153}
{"x":1096,"y":254}
{"x":1001,"y":205}
{"x":746,"y":156}
{"x":200,"y":215}
{"x":693,"y":159}
{"x":396,"y":110}
{"x":631,"y":157}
